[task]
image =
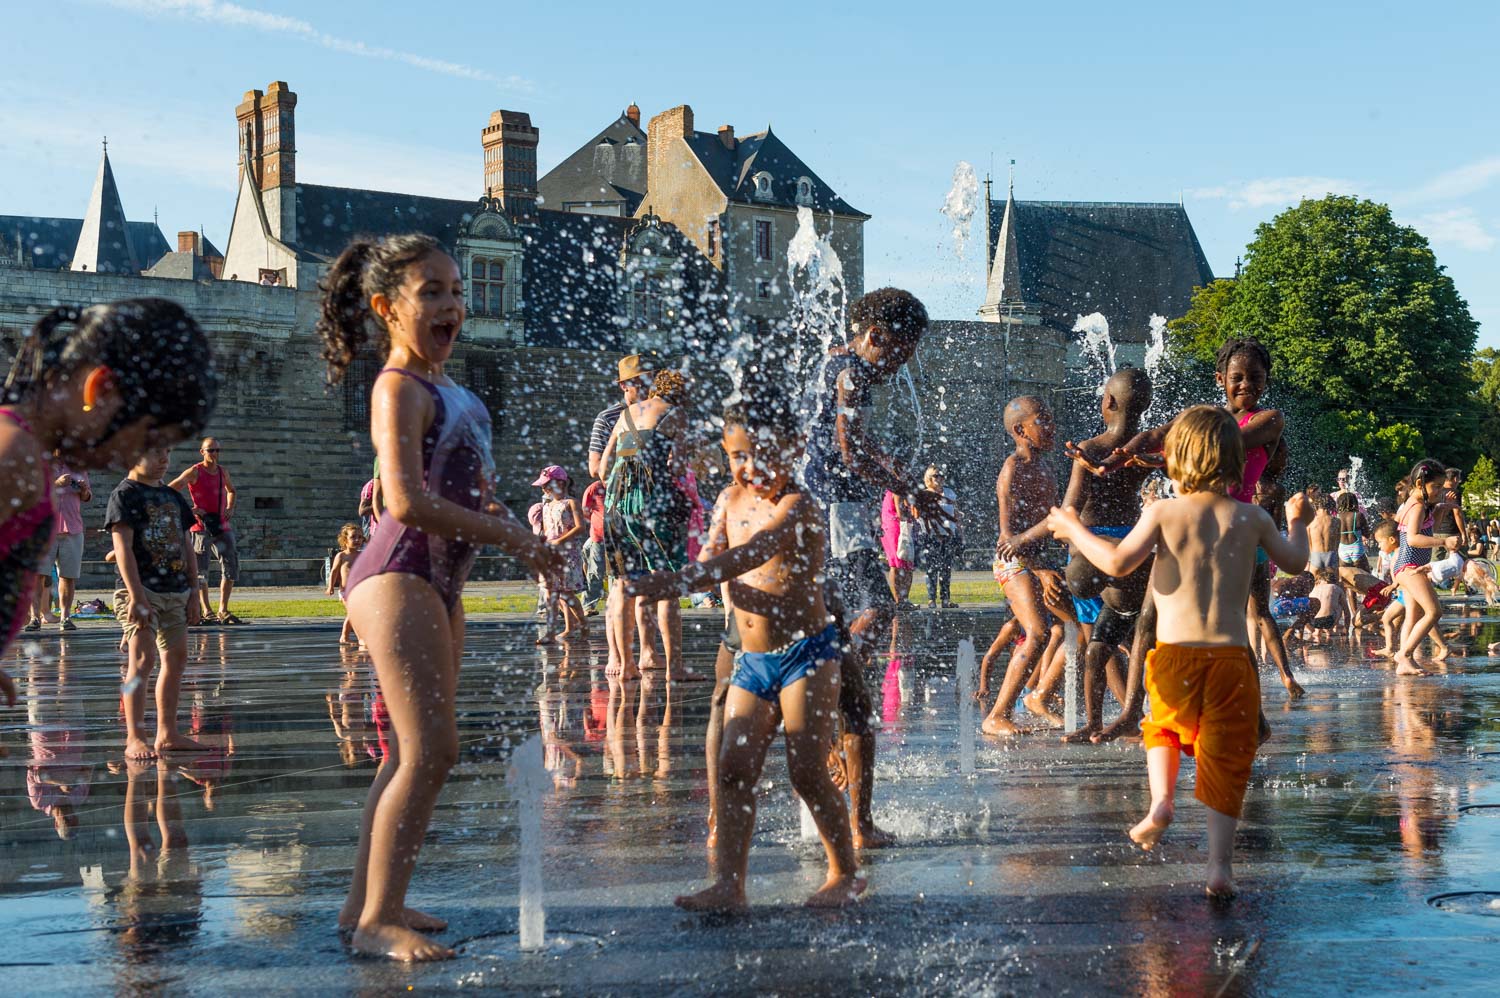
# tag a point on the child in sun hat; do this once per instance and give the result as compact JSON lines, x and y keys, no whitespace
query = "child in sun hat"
{"x":563,"y":526}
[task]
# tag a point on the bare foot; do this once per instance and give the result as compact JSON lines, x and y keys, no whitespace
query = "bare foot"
{"x":397,"y":942}
{"x":1443,"y":652}
{"x":722,"y":896}
{"x":1148,"y":831}
{"x":1128,"y":725}
{"x":1383,"y":653}
{"x":1038,"y":707}
{"x":179,"y":743}
{"x":1220,"y":883}
{"x":414,"y":919}
{"x":1000,"y":727}
{"x":868,"y":835}
{"x":136,"y":748}
{"x":1082,"y":735}
{"x":838,"y":769}
{"x":1406,"y":667}
{"x":839,"y":892}
{"x":548,"y":640}
{"x":982,"y":694}
{"x":1294,"y":690}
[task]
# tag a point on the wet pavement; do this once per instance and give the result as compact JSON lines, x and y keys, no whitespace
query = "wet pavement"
{"x":1372,"y":821}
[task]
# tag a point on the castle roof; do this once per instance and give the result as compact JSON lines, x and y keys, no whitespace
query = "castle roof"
{"x":608,"y":169}
{"x":1126,"y":260}
{"x":734,"y":170}
{"x":329,"y":217}
{"x":104,"y":244}
{"x":48,"y":243}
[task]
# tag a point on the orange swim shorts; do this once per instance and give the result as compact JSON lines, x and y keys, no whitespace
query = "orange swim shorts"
{"x":1205,"y":701}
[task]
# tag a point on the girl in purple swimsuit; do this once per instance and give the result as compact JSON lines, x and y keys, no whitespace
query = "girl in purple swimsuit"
{"x":93,"y":388}
{"x":433,"y":441}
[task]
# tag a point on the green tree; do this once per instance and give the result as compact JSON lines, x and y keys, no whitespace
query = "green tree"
{"x":1482,"y":490}
{"x":1364,"y":327}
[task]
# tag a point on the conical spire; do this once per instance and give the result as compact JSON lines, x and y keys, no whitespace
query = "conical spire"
{"x":104,"y":242}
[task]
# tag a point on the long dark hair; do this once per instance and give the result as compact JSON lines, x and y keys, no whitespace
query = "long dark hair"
{"x":366,"y":268}
{"x":162,"y":364}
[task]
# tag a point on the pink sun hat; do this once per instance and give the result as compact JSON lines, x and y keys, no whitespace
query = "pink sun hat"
{"x":551,"y":473}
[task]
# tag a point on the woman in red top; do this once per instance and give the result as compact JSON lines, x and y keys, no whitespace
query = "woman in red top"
{"x":209,"y":487}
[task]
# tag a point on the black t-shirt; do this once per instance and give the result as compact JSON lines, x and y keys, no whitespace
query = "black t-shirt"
{"x":159,"y":517}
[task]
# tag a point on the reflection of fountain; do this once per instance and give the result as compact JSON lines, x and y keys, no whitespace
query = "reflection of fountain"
{"x":528,"y":781}
{"x":1070,"y":676}
{"x":966,"y":707}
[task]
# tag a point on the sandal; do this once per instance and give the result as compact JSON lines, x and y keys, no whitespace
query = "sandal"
{"x":230,"y":620}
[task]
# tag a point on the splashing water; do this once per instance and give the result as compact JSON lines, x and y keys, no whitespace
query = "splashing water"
{"x":1356,"y":472}
{"x":1098,"y":347}
{"x":1070,"y":677}
{"x":960,"y":203}
{"x":965,"y":670}
{"x":1156,"y":351}
{"x":528,"y":780}
{"x":809,"y":826}
{"x":816,"y":276}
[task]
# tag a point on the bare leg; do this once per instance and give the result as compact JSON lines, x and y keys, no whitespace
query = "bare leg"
{"x":1423,"y":616}
{"x":411,"y":638}
{"x":1129,"y":721}
{"x":1024,"y":593}
{"x":723,"y":669}
{"x":168,"y":691}
{"x":65,"y":591}
{"x":1162,"y":762}
{"x":226,"y":587}
{"x":133,"y":701}
{"x":808,"y":711}
{"x":1003,"y":639}
{"x":1096,"y":658}
{"x":1260,"y":613}
{"x":1220,"y":854}
{"x":669,"y":621}
{"x":646,"y":630}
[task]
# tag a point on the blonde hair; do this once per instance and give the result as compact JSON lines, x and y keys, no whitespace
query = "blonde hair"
{"x":669,"y":386}
{"x":349,"y":537}
{"x":1205,"y":452}
{"x":931,"y":473}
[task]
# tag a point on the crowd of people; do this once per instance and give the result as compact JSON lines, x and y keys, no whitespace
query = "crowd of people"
{"x":811,"y":547}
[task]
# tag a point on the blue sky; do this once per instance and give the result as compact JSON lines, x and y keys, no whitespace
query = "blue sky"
{"x":1240,"y":111}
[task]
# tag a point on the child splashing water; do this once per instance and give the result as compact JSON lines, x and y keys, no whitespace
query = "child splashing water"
{"x":1205,"y":694}
{"x":93,"y":388}
{"x":433,"y":441}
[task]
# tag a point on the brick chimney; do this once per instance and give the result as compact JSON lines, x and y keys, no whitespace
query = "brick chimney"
{"x":726,"y":136}
{"x":510,"y":142}
{"x":663,"y":136}
{"x":268,"y":149}
{"x":187,"y":242}
{"x":634,"y":114}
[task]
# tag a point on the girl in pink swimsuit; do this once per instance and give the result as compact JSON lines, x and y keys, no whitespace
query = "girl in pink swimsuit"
{"x":404,"y":593}
{"x":93,"y":387}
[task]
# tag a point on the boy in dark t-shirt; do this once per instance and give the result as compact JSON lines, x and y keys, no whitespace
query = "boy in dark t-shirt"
{"x":157,"y":572}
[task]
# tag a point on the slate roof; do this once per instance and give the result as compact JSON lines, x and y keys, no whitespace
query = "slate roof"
{"x":329,"y":217}
{"x":734,"y":171}
{"x":1125,"y":260}
{"x":49,"y":242}
{"x":610,"y":168}
{"x":572,"y":285}
{"x":182,"y":267}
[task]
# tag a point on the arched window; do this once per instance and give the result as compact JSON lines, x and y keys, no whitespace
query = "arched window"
{"x":763,"y":184}
{"x":487,"y":286}
{"x":804,"y":191}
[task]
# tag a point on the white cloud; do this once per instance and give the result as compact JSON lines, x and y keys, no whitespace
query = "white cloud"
{"x":1274,"y":192}
{"x":236,"y":16}
{"x":1458,"y":227}
{"x":1467,"y":179}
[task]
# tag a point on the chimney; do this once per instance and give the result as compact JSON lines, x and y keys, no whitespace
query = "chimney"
{"x":664,"y":135}
{"x":726,"y":136}
{"x":187,"y":242}
{"x":510,"y":142}
{"x":634,"y":114}
{"x":268,"y":149}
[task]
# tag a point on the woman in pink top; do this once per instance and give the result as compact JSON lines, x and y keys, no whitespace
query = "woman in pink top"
{"x":70,"y":490}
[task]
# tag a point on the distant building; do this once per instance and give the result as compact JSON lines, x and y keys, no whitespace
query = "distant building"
{"x":1050,"y":262}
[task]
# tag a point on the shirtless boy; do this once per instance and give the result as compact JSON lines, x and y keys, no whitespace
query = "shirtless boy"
{"x":787,"y":672}
{"x":1205,"y":694}
{"x":1025,"y":490}
{"x":1108,"y":505}
{"x":1322,"y":534}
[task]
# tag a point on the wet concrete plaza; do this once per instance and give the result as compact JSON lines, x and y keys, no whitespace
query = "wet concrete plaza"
{"x":1371,"y":812}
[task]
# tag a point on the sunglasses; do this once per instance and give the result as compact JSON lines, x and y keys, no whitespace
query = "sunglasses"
{"x":210,"y":450}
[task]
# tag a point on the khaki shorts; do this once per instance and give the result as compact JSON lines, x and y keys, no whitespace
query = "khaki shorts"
{"x":67,"y":555}
{"x":169,"y":611}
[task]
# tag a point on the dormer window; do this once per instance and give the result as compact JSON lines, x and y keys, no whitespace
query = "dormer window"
{"x":763,"y":185}
{"x":804,"y":191}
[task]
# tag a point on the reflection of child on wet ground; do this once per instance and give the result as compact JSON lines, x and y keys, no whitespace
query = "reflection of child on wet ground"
{"x":1205,"y":694}
{"x":351,"y":539}
{"x":1109,"y":505}
{"x":1025,"y":489}
{"x":563,"y":526}
{"x":788,"y":670}
{"x":156,"y":573}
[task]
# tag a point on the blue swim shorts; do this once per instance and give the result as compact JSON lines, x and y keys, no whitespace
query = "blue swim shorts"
{"x":767,"y":673}
{"x":1290,"y":606}
{"x":1087,"y":610}
{"x":1116,"y":532}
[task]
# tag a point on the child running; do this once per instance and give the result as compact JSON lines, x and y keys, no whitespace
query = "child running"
{"x":1205,"y":695}
{"x":404,"y":593}
{"x":1417,"y":543}
{"x":351,"y":540}
{"x":788,"y":669}
{"x":563,"y":526}
{"x":156,"y":575}
{"x":92,"y":388}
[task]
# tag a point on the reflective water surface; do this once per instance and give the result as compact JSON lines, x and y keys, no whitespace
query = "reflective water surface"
{"x":226,"y":870}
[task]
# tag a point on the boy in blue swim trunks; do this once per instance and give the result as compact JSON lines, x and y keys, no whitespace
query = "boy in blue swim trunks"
{"x":787,"y":672}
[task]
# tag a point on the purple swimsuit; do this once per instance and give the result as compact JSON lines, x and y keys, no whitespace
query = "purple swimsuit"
{"x":457,"y":466}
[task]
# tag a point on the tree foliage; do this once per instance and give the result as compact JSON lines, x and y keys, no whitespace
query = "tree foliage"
{"x":1482,"y":490}
{"x":1364,"y":327}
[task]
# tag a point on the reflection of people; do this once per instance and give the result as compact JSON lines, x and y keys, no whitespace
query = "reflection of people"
{"x":161,"y":899}
{"x":57,"y":778}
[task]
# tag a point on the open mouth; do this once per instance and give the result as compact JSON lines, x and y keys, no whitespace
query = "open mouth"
{"x":444,"y":333}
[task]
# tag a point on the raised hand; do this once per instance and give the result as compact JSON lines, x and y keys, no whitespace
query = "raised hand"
{"x":657,"y":585}
{"x":1063,"y":521}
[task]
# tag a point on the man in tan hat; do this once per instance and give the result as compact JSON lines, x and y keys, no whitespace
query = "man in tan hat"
{"x":635,"y":376}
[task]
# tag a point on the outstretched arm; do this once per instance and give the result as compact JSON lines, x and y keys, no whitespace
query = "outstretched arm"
{"x":1113,"y":559}
{"x":778,"y":536}
{"x":1290,"y":552}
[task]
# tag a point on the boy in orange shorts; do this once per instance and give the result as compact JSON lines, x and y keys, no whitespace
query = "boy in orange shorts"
{"x":1205,"y":695}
